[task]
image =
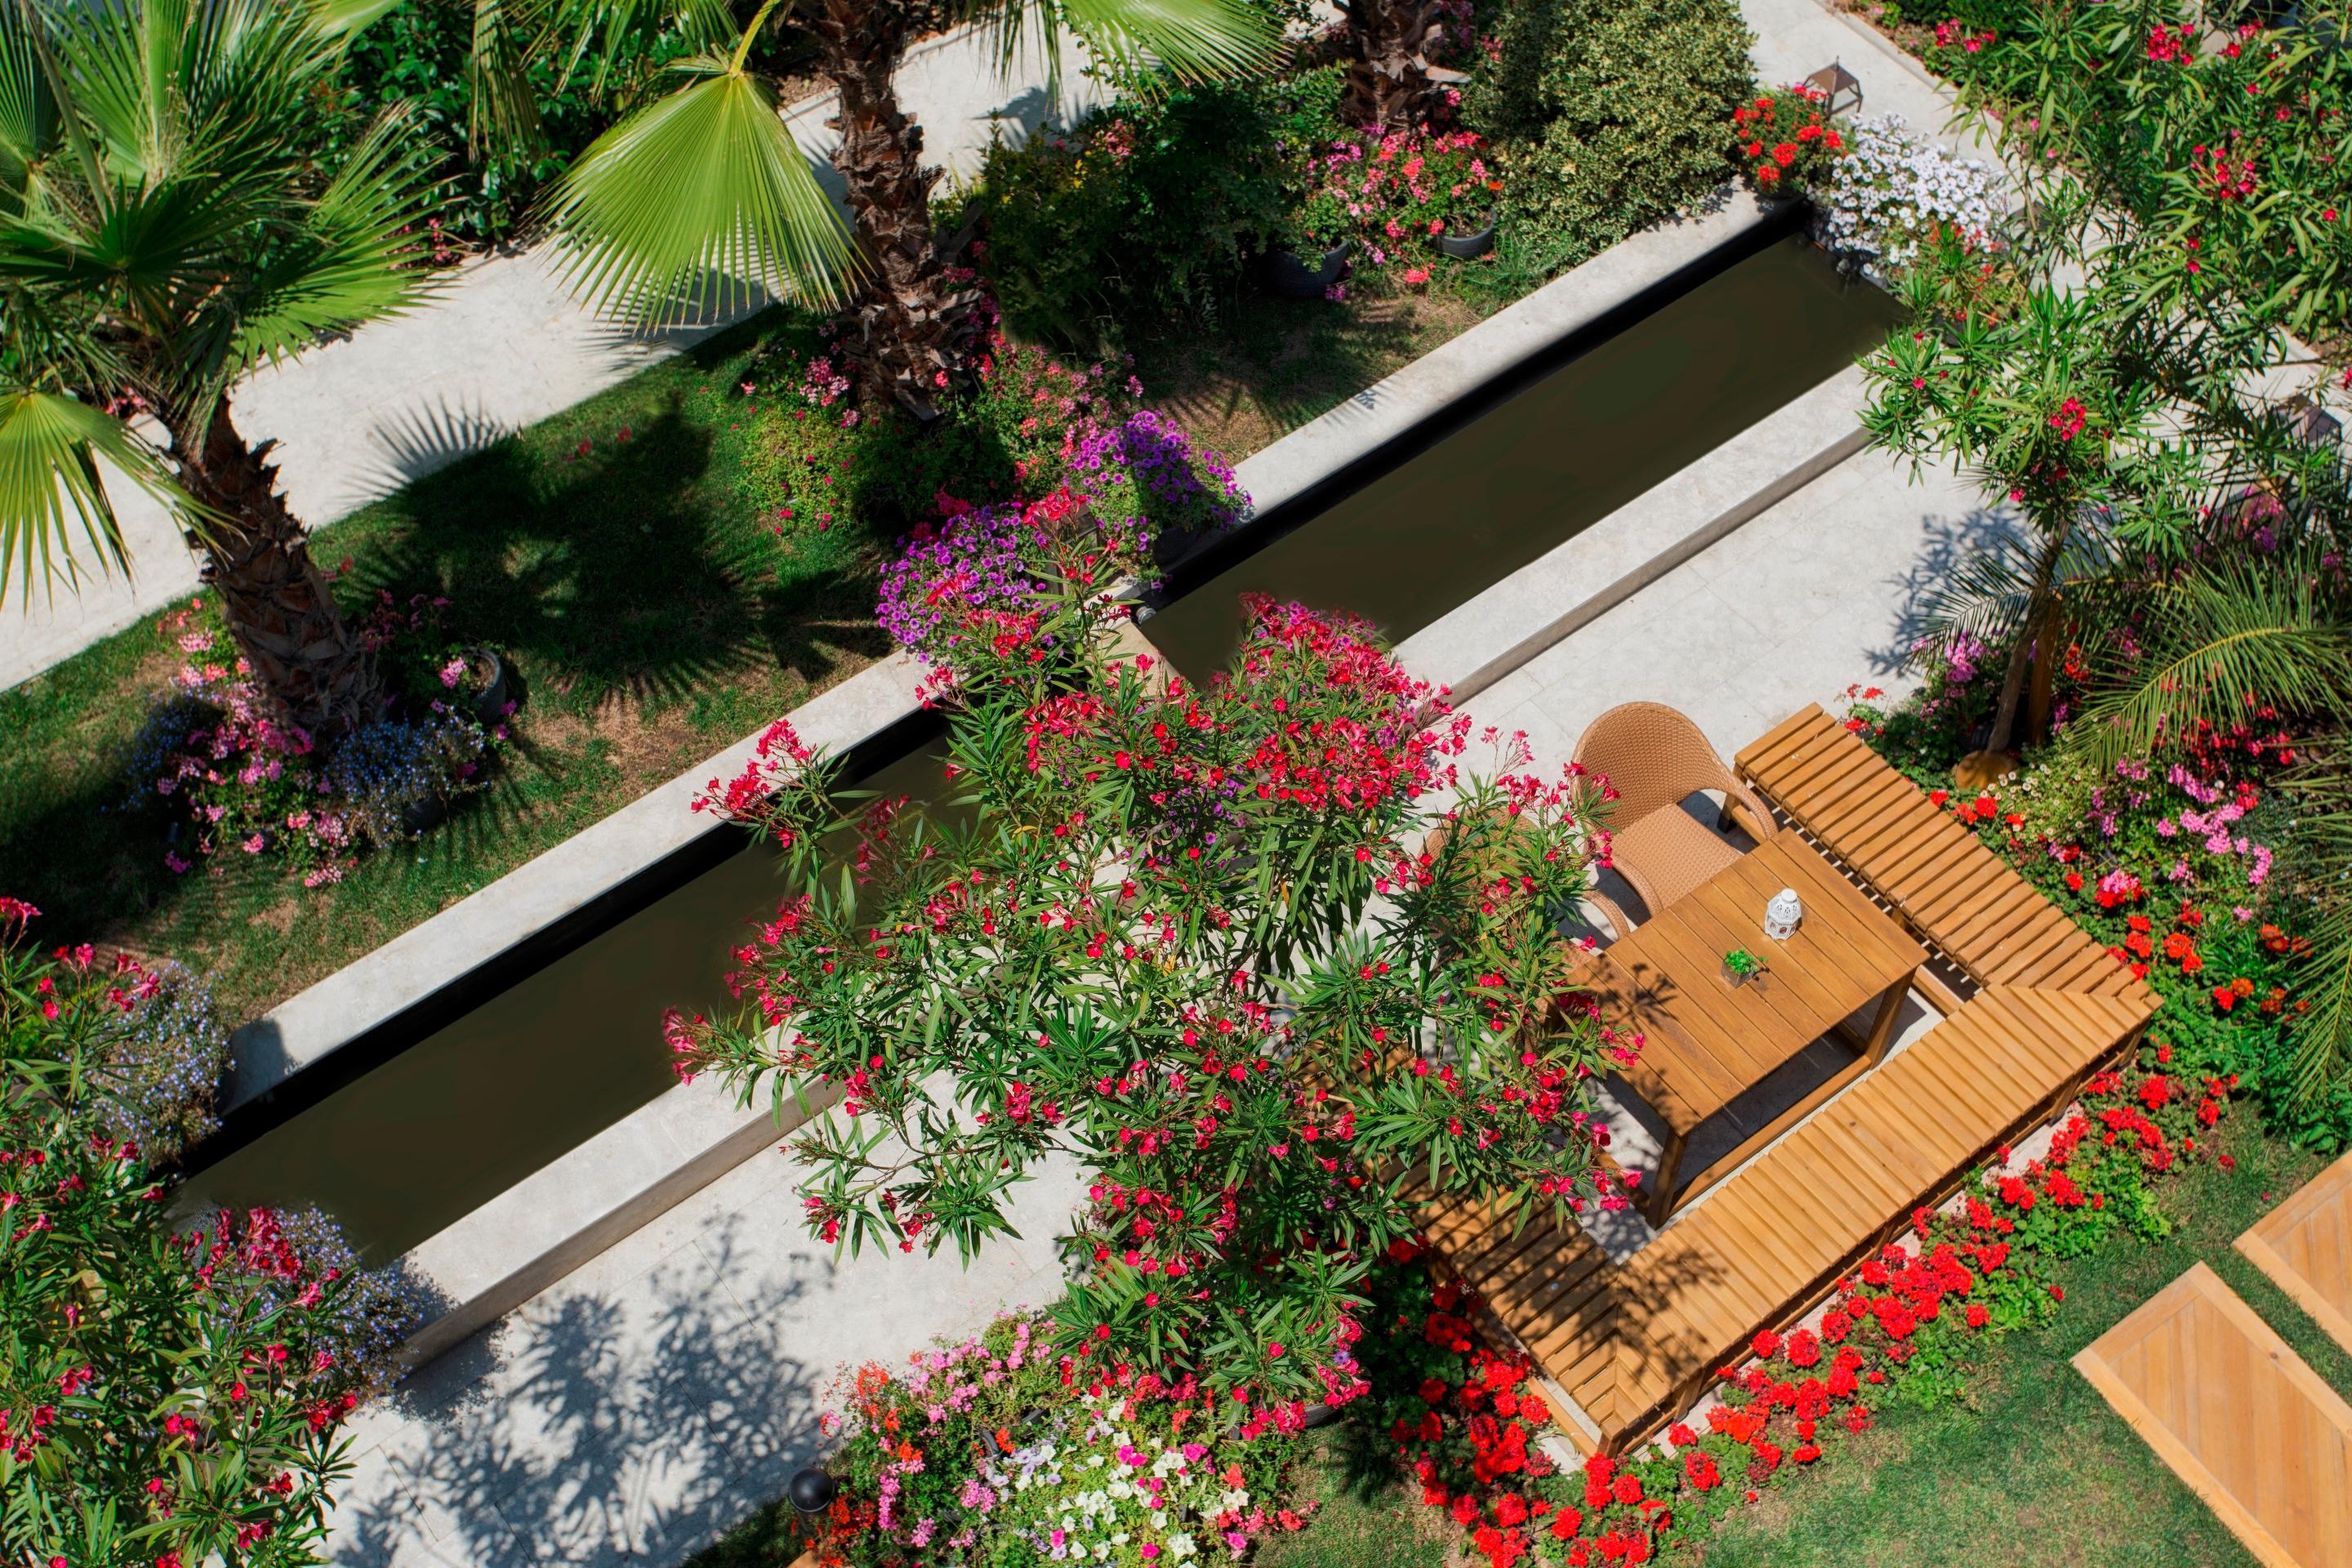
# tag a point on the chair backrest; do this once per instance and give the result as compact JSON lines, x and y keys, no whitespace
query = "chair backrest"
{"x":1653,"y":755}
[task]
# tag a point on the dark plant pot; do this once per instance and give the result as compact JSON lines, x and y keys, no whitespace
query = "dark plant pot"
{"x":490,"y":702}
{"x":1734,"y":977}
{"x":1319,"y":1415}
{"x":425,"y":814}
{"x":1289,"y":278}
{"x":1469,"y":247}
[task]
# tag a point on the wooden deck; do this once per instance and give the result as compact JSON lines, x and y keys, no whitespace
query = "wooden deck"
{"x":1935,"y":874}
{"x":1630,"y":1347}
{"x":2305,"y":1245}
{"x":2237,"y":1415}
{"x":1626,"y":1349}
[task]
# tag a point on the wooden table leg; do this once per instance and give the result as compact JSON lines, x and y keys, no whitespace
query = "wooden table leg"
{"x":1882,"y":1027}
{"x":1670,"y":1164}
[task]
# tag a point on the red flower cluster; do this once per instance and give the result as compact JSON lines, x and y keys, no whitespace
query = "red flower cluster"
{"x":1786,"y":136}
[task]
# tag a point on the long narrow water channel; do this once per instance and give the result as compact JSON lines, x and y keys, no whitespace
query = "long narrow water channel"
{"x":406,"y":1138}
{"x":1429,"y":533}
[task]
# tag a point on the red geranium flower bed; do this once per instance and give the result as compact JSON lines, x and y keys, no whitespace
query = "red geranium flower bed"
{"x":1467,"y":1417}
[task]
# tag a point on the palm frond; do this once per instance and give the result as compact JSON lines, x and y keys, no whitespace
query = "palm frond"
{"x":53,"y":502}
{"x":28,"y":117}
{"x":1191,"y":40}
{"x":350,"y":261}
{"x":2322,"y":1035}
{"x":703,"y":191}
{"x":348,"y":18}
{"x":2220,"y":639}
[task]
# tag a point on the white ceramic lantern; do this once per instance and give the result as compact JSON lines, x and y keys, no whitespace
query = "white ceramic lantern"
{"x":1781,"y":915}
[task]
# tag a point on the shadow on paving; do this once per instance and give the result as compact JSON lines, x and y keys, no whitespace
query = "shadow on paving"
{"x":1946,"y":545}
{"x":615,"y":1423}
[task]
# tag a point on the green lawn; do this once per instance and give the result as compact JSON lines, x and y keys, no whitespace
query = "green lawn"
{"x":2037,"y":1462}
{"x":650,"y":617}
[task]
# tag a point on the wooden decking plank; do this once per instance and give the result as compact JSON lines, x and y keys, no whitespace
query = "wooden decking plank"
{"x":2305,"y":1245}
{"x":2237,"y":1415}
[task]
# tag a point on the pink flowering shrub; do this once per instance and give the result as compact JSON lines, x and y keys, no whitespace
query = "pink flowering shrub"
{"x":165,"y":1398}
{"x":1031,"y":424}
{"x":1394,"y":194}
{"x":1163,"y":957}
{"x":235,"y":779}
{"x":997,"y":1450}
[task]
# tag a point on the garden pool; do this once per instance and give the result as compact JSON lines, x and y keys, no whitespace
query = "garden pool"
{"x":406,"y":1129}
{"x":1532,"y":463}
{"x":401,"y":1136}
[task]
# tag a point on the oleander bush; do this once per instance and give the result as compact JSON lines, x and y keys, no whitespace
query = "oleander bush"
{"x":2227,"y":161}
{"x":167,"y":1396}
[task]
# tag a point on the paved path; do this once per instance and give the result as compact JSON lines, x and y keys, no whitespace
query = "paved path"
{"x":503,"y":343}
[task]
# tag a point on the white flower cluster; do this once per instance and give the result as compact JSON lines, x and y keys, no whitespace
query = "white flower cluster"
{"x":1891,"y":188}
{"x":1104,"y":1494}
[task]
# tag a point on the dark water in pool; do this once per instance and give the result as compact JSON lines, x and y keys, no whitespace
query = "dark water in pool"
{"x":1565,"y":452}
{"x":480,"y":1103}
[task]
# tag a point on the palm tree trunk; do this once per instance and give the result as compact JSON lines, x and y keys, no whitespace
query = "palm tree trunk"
{"x":2031,"y":630}
{"x":277,"y":601}
{"x":1386,"y":80}
{"x":913,"y":331}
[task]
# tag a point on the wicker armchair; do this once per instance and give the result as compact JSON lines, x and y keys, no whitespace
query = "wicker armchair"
{"x":1656,"y":759}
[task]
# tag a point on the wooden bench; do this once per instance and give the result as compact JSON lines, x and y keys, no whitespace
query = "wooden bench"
{"x":1627,"y":1348}
{"x":1935,"y":875}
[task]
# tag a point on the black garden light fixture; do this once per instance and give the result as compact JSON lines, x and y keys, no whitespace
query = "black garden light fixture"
{"x":812,"y":1491}
{"x":1843,"y":87}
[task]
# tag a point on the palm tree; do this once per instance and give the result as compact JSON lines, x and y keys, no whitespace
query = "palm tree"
{"x":164,"y":230}
{"x":1388,"y":68}
{"x":707,"y":181}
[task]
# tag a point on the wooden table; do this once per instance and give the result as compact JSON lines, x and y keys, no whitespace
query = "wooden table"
{"x":1707,"y":1040}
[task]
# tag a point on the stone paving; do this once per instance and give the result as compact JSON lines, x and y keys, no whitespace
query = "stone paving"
{"x":668,"y":1388}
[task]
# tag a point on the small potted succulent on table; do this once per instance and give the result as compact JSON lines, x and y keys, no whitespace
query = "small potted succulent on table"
{"x":1740,"y":966}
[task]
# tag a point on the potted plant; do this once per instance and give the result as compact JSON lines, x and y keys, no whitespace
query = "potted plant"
{"x":1785,"y":139}
{"x":1469,"y":247}
{"x":1740,"y":966}
{"x":1307,"y":260}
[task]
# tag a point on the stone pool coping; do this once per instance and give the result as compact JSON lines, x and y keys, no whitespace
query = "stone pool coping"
{"x":522,"y":1240}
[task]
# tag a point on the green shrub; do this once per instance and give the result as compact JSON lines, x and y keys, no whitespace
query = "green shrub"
{"x":1611,"y":116}
{"x":1144,"y":216}
{"x":419,"y":53}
